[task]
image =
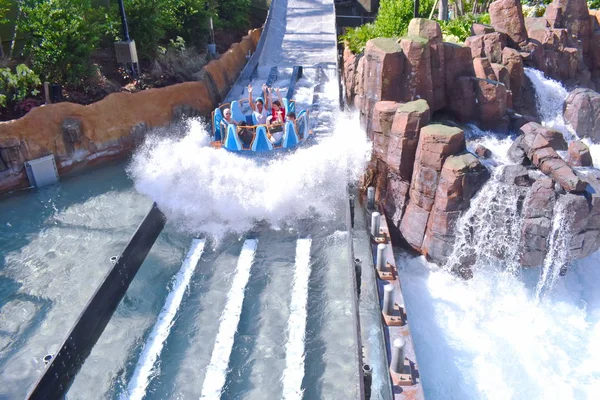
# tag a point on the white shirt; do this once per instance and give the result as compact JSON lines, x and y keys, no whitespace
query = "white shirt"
{"x":261,"y":117}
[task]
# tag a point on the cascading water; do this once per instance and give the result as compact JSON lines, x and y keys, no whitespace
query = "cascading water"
{"x":526,"y":335}
{"x":489,"y":231}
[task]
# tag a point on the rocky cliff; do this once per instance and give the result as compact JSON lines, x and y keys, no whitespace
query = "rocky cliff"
{"x":78,"y":135}
{"x":425,"y":178}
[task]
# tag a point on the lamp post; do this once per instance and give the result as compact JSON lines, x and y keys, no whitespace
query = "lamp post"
{"x":125,"y":49}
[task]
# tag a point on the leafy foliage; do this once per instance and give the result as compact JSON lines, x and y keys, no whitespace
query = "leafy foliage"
{"x":459,"y":29}
{"x":15,"y":86}
{"x":59,"y":38}
{"x":593,"y":4}
{"x":392,"y":21}
{"x":232,"y":14}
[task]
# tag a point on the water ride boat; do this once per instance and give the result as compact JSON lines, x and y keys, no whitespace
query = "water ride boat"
{"x":248,"y":135}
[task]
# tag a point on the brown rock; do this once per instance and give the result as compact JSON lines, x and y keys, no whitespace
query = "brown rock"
{"x":576,"y":18}
{"x":458,"y":63}
{"x":463,"y":101}
{"x":383,"y":65}
{"x":537,"y":29}
{"x":579,"y":154}
{"x":383,"y":115}
{"x":417,"y":82}
{"x":583,"y":215}
{"x":413,"y":225}
{"x":582,"y":112}
{"x":349,"y":74}
{"x":491,"y":101}
{"x":404,"y":137}
{"x":461,"y":177}
{"x":507,"y":17}
{"x":481,"y":29}
{"x":515,"y":175}
{"x":537,"y":222}
{"x":544,"y":157}
{"x":476,"y":44}
{"x":595,"y":53}
{"x":516,"y":72}
{"x":493,"y":44}
{"x":553,"y":15}
{"x":396,"y":198}
{"x":431,"y":31}
{"x":483,"y":69}
{"x":502,"y":75}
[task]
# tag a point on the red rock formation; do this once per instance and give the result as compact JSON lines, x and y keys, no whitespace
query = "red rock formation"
{"x":579,"y":154}
{"x":416,"y":83}
{"x":507,"y":17}
{"x":461,"y":177}
{"x":383,"y":115}
{"x":582,"y":112}
{"x":436,"y":143}
{"x":483,"y":69}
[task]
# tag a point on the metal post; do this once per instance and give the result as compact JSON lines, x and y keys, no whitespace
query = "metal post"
{"x":388,"y":299}
{"x":358,"y":272}
{"x":368,"y":379}
{"x":398,"y":356}
{"x":124,"y":22}
{"x":380,"y":261}
{"x":370,"y":197}
{"x":375,"y":220}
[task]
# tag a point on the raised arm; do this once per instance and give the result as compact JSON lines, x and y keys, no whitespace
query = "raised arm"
{"x":252,"y":106}
{"x":279,"y":96}
{"x":268,"y":103}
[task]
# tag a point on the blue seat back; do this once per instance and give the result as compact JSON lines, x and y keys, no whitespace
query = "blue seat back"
{"x":232,"y":140}
{"x":302,"y":124}
{"x":236,"y":111}
{"x":290,"y":138}
{"x":290,"y":105}
{"x":261,"y":141}
{"x":254,"y":120}
{"x":217,"y":118}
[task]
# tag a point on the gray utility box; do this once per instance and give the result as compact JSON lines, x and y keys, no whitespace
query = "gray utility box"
{"x":42,"y":171}
{"x":126,"y":52}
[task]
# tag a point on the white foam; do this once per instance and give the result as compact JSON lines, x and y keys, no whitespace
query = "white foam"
{"x":196,"y":185}
{"x":155,"y":342}
{"x":294,"y":355}
{"x":216,"y":372}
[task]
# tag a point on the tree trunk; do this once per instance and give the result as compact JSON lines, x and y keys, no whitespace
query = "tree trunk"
{"x":416,"y":9}
{"x":443,"y":10}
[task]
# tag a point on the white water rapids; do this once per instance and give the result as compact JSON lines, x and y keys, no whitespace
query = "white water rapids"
{"x":507,"y":333}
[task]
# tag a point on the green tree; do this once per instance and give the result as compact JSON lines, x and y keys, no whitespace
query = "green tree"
{"x":59,"y":39}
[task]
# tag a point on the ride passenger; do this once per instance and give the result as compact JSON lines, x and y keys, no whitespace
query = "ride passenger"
{"x":277,"y":110}
{"x":259,"y":111}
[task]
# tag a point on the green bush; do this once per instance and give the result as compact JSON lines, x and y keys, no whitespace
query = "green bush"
{"x":16,"y":86}
{"x":59,"y":39}
{"x":459,"y":29}
{"x":232,"y":14}
{"x":392,"y":21}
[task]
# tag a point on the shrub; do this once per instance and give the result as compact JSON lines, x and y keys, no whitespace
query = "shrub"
{"x":177,"y":62}
{"x":232,"y":14}
{"x":392,"y":21}
{"x":16,"y":86}
{"x":59,"y":39}
{"x":459,"y":29}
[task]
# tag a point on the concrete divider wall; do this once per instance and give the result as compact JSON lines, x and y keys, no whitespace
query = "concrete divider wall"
{"x":78,"y":135}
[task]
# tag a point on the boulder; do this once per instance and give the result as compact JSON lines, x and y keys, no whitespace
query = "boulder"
{"x":461,"y":177}
{"x":416,"y":82}
{"x":491,"y":102}
{"x":404,"y":137}
{"x":515,"y":175}
{"x":458,"y":63}
{"x":350,"y":74}
{"x":483,"y":151}
{"x":493,"y":44}
{"x":13,"y":154}
{"x":576,"y":18}
{"x":553,"y":15}
{"x":516,"y":153}
{"x":481,"y":29}
{"x":507,"y":17}
{"x":396,"y":198}
{"x":463,"y":101}
{"x":383,"y":115}
{"x":582,"y":112}
{"x":436,"y":143}
{"x":431,"y":31}
{"x":513,"y":61}
{"x":582,"y":214}
{"x":475,"y":43}
{"x":537,"y":29}
{"x":502,"y":75}
{"x":537,"y":222}
{"x":545,"y":158}
{"x":595,"y":53}
{"x":483,"y":69}
{"x":579,"y":154}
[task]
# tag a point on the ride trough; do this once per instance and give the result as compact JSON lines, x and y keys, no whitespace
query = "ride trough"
{"x":257,"y":137}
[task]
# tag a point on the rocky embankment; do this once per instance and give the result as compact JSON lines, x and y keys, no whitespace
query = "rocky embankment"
{"x":423,"y":174}
{"x":80,"y":135}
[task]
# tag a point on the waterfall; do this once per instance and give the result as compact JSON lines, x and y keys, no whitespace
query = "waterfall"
{"x":489,"y":232}
{"x":550,"y":98}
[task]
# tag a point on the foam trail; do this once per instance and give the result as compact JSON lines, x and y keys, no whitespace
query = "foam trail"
{"x":141,"y":376}
{"x":216,"y":372}
{"x":294,"y":353}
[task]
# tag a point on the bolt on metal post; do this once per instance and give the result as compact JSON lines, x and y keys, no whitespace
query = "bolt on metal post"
{"x":388,"y":299}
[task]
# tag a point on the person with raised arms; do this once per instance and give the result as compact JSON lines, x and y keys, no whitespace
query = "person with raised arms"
{"x":259,"y":110}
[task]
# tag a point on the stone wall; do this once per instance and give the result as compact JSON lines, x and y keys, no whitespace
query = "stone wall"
{"x":78,"y":135}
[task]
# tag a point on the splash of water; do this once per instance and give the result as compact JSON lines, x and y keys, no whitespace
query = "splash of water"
{"x":489,"y":232}
{"x":202,"y":189}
